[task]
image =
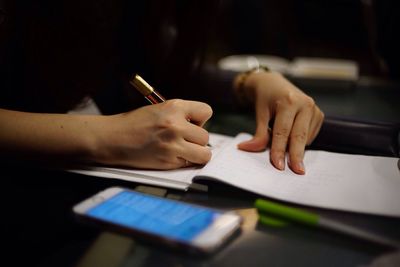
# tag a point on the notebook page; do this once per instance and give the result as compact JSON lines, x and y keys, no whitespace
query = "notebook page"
{"x":131,"y":176}
{"x":357,"y":183}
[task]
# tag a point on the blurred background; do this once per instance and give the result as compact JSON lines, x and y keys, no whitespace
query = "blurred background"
{"x":360,"y":30}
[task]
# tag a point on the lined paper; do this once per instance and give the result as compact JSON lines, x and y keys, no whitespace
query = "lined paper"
{"x":356,"y":183}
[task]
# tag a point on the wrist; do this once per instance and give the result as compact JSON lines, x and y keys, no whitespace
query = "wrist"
{"x":242,"y":85}
{"x":100,"y":140}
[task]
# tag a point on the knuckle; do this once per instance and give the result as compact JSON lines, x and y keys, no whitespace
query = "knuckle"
{"x":309,"y":102}
{"x":290,"y":98}
{"x":300,"y":137}
{"x":321,"y":115}
{"x":293,"y":98}
{"x":208,"y":110}
{"x":204,"y":111}
{"x":171,"y":107}
{"x":282,"y":133}
{"x":287,"y":100}
{"x":169,"y":124}
{"x":174,"y":103}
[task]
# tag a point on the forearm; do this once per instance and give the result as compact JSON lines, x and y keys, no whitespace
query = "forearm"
{"x":46,"y":137}
{"x":161,"y":136}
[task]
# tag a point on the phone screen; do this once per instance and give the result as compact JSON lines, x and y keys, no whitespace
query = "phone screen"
{"x":155,"y":215}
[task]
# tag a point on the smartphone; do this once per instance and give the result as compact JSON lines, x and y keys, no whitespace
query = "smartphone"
{"x":160,"y":220}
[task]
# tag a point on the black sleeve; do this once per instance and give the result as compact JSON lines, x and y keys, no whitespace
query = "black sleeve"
{"x":359,"y":137}
{"x":388,"y":25}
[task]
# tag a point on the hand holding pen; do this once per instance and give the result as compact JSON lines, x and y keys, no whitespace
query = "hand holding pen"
{"x":192,"y":134}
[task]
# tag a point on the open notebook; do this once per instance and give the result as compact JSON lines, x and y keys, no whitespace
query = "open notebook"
{"x":357,"y":183}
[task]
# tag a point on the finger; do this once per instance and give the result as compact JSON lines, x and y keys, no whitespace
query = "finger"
{"x":185,"y":163}
{"x":261,"y":137}
{"x":316,"y":124}
{"x":173,"y":163}
{"x":198,"y":112}
{"x":298,"y":140}
{"x":195,"y":134}
{"x":280,"y":134}
{"x":195,"y":153}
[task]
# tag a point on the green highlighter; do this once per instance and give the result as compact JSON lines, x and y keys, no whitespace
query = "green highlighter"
{"x":285,"y":213}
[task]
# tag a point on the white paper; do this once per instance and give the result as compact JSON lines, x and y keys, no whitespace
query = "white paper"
{"x":357,"y":183}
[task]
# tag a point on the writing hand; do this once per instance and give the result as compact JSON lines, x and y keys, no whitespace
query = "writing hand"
{"x":161,"y":136}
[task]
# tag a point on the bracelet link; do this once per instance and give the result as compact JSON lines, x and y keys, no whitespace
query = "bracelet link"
{"x":239,"y":88}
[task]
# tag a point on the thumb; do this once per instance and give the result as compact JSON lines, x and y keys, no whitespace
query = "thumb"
{"x":260,"y":139}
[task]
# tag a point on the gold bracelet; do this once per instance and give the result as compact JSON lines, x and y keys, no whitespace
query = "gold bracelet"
{"x":239,"y":89}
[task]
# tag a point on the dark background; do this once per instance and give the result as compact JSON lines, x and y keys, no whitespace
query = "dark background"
{"x":364,"y":31}
{"x":360,"y":30}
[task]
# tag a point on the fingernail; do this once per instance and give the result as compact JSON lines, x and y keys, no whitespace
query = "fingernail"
{"x":300,"y":167}
{"x":281,"y":164}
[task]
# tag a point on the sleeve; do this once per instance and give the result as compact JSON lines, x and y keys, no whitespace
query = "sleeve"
{"x":359,"y":137}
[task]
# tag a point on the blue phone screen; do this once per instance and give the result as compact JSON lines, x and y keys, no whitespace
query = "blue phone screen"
{"x":171,"y":219}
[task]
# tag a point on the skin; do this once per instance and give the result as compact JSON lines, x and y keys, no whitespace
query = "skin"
{"x":296,"y":119}
{"x":162,"y":136}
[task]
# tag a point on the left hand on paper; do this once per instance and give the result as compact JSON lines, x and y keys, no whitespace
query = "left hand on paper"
{"x":295,"y":116}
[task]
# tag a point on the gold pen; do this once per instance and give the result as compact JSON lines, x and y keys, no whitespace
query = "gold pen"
{"x":146,"y":90}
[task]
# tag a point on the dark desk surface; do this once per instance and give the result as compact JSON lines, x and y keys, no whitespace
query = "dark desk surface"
{"x":257,"y":245}
{"x":46,"y":232}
